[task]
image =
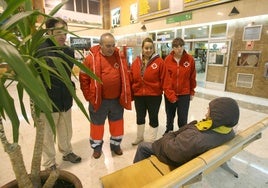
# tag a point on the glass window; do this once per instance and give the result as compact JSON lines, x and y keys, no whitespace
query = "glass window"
{"x":179,"y":33}
{"x":163,"y":49}
{"x":196,"y":32}
{"x":219,"y":30}
{"x":85,"y":6}
{"x":69,"y":5}
{"x":217,"y":51}
{"x":165,"y":35}
{"x":94,"y":7}
{"x":152,"y":36}
{"x":79,"y":5}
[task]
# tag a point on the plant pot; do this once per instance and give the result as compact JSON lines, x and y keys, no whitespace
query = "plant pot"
{"x":65,"y":180}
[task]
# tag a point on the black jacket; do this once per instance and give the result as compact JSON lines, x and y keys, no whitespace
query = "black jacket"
{"x":177,"y":148}
{"x":59,"y":93}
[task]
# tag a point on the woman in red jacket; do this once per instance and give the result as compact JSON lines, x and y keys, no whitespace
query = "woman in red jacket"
{"x":149,"y":79}
{"x":181,"y":65}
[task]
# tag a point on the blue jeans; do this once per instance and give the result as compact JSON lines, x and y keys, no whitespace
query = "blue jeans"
{"x":144,"y":151}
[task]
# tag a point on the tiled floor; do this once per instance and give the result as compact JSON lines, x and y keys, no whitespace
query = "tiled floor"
{"x":251,"y":163}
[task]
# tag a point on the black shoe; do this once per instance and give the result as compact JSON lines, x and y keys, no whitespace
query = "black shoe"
{"x":96,"y":154}
{"x":117,"y":150}
{"x":73,"y":158}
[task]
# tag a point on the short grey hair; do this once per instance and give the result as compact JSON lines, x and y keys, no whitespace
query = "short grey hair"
{"x":105,"y":35}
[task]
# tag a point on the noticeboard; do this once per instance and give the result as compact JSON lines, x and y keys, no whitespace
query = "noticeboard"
{"x":252,"y":33}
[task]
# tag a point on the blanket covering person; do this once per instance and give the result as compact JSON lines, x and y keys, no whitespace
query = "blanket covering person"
{"x":177,"y":148}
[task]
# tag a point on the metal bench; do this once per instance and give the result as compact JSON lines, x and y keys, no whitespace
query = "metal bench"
{"x":153,"y":173}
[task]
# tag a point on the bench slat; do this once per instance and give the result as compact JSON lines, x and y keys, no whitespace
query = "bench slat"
{"x":133,"y":176}
{"x":212,"y":158}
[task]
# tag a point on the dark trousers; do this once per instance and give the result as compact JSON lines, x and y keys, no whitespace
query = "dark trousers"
{"x":182,"y":108}
{"x":150,"y":104}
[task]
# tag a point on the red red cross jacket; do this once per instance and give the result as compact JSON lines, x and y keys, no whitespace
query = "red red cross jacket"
{"x":92,"y":90}
{"x":153,"y":81}
{"x":183,"y":74}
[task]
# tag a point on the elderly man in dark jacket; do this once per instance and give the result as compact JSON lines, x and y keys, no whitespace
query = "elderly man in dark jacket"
{"x":177,"y":148}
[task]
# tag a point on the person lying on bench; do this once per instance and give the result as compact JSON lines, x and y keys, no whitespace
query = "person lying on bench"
{"x":195,"y":138}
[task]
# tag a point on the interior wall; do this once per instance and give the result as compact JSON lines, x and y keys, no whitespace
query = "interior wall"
{"x":235,"y":31}
{"x":260,"y":83}
{"x":125,"y":10}
{"x":204,"y":15}
{"x":207,"y":15}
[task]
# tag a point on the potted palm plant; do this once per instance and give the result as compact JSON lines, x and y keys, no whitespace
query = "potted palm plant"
{"x":20,"y":37}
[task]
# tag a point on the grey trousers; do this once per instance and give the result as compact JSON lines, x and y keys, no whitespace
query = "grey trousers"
{"x":144,"y":151}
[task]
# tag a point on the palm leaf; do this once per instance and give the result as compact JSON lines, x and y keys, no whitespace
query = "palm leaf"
{"x":12,"y":6}
{"x":7,"y":103}
{"x":20,"y":94}
{"x":20,"y":39}
{"x":26,"y":78}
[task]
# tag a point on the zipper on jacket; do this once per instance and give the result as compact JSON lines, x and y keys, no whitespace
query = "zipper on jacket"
{"x":177,"y":77}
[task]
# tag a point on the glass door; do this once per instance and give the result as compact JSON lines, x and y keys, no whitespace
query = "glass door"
{"x":198,"y":49}
{"x":163,"y":48}
{"x":218,"y":58}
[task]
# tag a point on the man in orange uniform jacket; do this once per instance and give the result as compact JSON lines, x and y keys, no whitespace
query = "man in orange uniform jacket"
{"x":109,"y":98}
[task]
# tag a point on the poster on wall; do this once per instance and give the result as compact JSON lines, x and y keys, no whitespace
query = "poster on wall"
{"x":252,"y":33}
{"x":115,"y":15}
{"x":133,"y":13}
{"x":248,"y":58}
{"x":244,"y":80}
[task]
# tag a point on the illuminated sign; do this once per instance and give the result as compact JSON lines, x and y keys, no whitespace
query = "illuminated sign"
{"x":152,"y":6}
{"x":179,"y":18}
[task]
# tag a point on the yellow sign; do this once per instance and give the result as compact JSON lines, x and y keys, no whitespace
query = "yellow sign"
{"x":152,"y":6}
